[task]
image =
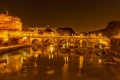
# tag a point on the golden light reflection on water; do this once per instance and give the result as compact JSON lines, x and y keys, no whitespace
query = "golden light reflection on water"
{"x":81,"y":58}
{"x":50,"y":72}
{"x":26,"y":62}
{"x":66,"y":59}
{"x":65,"y":71}
{"x":99,"y":60}
{"x":36,"y":56}
{"x":14,"y":63}
{"x":12,"y":66}
{"x":51,"y":48}
{"x":51,"y":56}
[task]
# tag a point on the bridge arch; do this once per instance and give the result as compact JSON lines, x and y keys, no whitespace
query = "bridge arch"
{"x":81,"y":43}
{"x":48,"y":42}
{"x":37,"y":41}
{"x":64,"y":43}
{"x":61,"y":41}
{"x":71,"y":41}
{"x":102,"y":43}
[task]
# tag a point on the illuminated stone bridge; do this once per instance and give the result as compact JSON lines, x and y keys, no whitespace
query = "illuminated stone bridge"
{"x":15,"y":36}
{"x":83,"y":41}
{"x":71,"y":41}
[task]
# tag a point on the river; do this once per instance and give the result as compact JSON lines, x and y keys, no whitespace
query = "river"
{"x":49,"y":63}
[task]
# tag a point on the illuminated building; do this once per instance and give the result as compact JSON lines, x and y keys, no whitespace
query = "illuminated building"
{"x":10,"y":27}
{"x":10,"y":23}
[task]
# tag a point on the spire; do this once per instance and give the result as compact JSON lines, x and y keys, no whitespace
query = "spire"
{"x":6,"y":11}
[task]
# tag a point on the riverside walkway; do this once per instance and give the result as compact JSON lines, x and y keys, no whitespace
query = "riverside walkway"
{"x":5,"y":47}
{"x":13,"y":47}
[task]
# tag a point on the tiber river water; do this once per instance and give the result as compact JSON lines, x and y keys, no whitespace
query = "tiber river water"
{"x":50,"y":63}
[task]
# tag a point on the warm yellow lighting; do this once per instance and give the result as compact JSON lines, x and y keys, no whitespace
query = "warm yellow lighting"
{"x":80,"y":43}
{"x":21,"y":59}
{"x":52,"y":34}
{"x":10,"y":22}
{"x":103,"y":42}
{"x":7,"y":57}
{"x":49,"y":56}
{"x":100,"y":34}
{"x":4,"y":64}
{"x":17,"y":33}
{"x":25,"y":54}
{"x":100,"y":46}
{"x":52,"y":56}
{"x":24,"y":58}
{"x":50,"y":72}
{"x":81,"y":62}
{"x":36,"y":55}
{"x":51,"y":48}
{"x":63,"y":45}
{"x":6,"y":39}
{"x":24,"y":38}
{"x":67,"y":44}
{"x":17,"y":22}
{"x":65,"y":71}
{"x":66,"y":59}
{"x":100,"y":60}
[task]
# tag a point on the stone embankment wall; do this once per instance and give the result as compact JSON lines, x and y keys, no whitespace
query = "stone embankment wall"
{"x":115,"y":46}
{"x":12,"y":48}
{"x":115,"y":49}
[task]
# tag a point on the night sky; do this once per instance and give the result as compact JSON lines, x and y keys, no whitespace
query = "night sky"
{"x":80,"y":15}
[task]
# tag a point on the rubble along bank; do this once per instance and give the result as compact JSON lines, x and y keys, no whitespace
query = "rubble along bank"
{"x":116,"y":58}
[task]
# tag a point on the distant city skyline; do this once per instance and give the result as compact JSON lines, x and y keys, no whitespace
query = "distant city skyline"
{"x":80,"y":15}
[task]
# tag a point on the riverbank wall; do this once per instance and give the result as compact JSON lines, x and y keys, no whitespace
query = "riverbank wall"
{"x":115,"y":46}
{"x":7,"y":49}
{"x":115,"y":49}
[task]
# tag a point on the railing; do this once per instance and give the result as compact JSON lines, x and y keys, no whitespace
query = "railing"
{"x":55,"y":36}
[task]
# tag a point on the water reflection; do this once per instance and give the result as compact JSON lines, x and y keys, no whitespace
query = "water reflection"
{"x":99,"y":60}
{"x":39,"y":63}
{"x":65,"y":72}
{"x":12,"y":66}
{"x":81,"y":63}
{"x":66,"y":59}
